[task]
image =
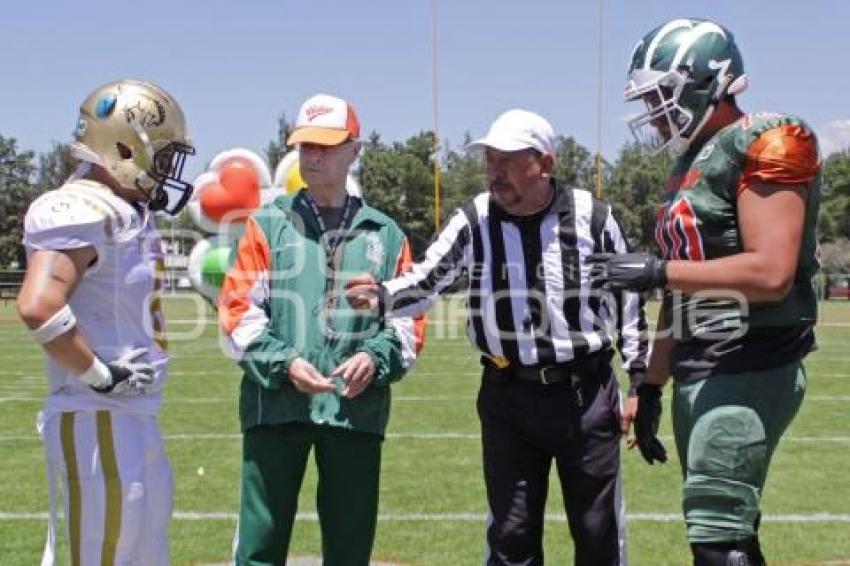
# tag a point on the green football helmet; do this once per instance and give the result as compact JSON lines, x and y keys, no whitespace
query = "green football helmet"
{"x":682,"y":70}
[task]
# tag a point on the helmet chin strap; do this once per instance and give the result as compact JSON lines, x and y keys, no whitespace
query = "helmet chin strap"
{"x":83,"y":169}
{"x":89,"y":159}
{"x":85,"y":155}
{"x":739,"y":85}
{"x":681,"y":145}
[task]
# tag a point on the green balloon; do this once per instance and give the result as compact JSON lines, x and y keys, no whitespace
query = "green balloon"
{"x":214,"y":266}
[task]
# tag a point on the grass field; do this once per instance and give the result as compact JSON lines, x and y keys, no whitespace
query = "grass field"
{"x":432,"y":496}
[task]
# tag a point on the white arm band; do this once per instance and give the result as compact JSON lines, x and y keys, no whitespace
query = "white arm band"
{"x":57,"y":325}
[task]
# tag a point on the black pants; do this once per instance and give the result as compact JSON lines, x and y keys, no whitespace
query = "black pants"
{"x":524,"y":426}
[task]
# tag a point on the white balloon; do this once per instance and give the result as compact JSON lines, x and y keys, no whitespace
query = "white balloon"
{"x":352,"y":187}
{"x":201,"y":182}
{"x":194,"y":266}
{"x":269,"y":194}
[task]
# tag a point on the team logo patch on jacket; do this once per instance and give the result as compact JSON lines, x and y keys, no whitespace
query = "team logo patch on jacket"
{"x":374,"y":249}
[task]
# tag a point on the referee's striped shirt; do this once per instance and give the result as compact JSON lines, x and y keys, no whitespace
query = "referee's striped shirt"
{"x":530,"y":300}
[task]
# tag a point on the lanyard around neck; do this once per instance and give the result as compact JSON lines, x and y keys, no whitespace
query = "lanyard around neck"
{"x":331,"y":241}
{"x":332,"y":244}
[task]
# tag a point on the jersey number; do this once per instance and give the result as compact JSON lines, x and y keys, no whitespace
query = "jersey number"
{"x":677,"y":233}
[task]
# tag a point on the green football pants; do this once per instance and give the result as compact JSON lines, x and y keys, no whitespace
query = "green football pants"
{"x":274,"y":459}
{"x":727,"y":427}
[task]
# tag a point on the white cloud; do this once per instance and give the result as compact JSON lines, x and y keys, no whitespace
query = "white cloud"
{"x":834,"y":136}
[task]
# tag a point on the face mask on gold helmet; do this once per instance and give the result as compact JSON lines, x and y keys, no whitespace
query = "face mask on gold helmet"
{"x":137,"y":132}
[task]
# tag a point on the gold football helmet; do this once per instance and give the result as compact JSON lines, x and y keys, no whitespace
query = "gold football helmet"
{"x":137,"y":132}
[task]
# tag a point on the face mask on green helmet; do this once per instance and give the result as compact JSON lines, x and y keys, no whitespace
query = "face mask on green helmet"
{"x":681,"y":71}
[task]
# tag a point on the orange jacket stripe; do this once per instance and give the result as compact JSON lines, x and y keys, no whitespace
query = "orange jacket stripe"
{"x":245,"y":288}
{"x":411,"y":331}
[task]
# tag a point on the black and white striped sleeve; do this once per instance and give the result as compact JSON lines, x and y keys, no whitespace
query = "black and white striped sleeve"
{"x":445,"y":259}
{"x":633,"y":338}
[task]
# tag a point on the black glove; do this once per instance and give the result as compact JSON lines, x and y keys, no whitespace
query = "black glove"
{"x":627,"y":272}
{"x":646,"y":423}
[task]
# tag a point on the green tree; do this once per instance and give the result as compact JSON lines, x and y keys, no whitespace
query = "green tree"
{"x":636,"y":191}
{"x":463,"y":177}
{"x":835,"y":257}
{"x":182,"y":223}
{"x":373,"y":142}
{"x":277,"y":148}
{"x":54,"y":167}
{"x":399,"y":180}
{"x":575,"y":166}
{"x":16,"y":192}
{"x":834,"y":221}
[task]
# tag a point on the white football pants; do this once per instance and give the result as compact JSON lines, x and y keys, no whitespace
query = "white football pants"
{"x":117,"y":487}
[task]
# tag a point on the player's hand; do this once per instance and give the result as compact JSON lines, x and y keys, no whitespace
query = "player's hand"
{"x":630,"y":407}
{"x":627,"y":417}
{"x":357,"y":372}
{"x":130,"y":375}
{"x":362,"y":292}
{"x":646,"y":423}
{"x":627,"y":272}
{"x":307,"y":378}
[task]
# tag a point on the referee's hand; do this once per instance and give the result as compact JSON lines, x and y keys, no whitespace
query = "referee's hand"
{"x":361,"y":291}
{"x":627,"y":417}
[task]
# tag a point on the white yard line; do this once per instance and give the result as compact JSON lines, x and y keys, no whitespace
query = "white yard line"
{"x":10,"y":397}
{"x":233,"y":372}
{"x":432,"y":398}
{"x":176,"y":400}
{"x":465,"y":517}
{"x":460,"y":322}
{"x":415,"y":436}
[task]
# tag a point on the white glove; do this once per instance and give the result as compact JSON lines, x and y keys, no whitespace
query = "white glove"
{"x":129,"y":376}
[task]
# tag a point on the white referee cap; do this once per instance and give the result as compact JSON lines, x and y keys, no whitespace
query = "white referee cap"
{"x":519,"y":129}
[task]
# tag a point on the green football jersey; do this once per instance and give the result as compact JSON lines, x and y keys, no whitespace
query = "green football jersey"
{"x":699,"y":222}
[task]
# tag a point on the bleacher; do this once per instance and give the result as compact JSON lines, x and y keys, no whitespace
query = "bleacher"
{"x":10,"y":284}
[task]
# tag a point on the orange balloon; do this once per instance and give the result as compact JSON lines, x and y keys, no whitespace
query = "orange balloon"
{"x":235,"y":196}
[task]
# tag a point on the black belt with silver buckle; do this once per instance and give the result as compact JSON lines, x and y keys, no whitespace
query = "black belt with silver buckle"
{"x":573,"y":373}
{"x":553,"y":373}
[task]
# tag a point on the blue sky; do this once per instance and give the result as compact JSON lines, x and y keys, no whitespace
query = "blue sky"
{"x":235,"y":66}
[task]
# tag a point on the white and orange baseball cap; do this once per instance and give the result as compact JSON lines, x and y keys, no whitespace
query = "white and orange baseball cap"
{"x":325,"y":120}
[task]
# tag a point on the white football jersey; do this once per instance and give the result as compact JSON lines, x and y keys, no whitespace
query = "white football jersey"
{"x":115,"y":303}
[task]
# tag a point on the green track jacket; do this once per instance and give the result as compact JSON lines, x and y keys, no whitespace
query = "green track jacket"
{"x":273,"y":308}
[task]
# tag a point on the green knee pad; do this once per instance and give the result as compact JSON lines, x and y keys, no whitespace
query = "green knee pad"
{"x":727,"y":463}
